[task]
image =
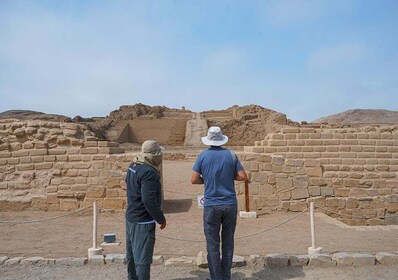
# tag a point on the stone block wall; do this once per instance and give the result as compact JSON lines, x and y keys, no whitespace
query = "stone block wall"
{"x":58,"y":166}
{"x":350,"y":173}
{"x":165,"y":131}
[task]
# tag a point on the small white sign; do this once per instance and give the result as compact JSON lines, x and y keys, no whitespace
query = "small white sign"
{"x":201,"y":200}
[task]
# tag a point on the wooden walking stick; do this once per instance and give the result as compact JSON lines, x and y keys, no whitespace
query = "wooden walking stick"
{"x":247,"y":203}
{"x":247,"y":214}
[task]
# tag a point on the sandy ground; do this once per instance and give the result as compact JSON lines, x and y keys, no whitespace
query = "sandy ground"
{"x":178,"y":273}
{"x":72,"y":236}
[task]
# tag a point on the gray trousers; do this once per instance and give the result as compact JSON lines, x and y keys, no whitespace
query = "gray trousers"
{"x":215,"y":218}
{"x":140,"y":242}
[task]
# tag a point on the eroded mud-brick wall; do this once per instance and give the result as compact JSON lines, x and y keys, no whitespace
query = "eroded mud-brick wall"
{"x":58,"y":166}
{"x":351,"y":172}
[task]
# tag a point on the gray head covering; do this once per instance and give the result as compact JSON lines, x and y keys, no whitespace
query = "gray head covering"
{"x":151,"y":154}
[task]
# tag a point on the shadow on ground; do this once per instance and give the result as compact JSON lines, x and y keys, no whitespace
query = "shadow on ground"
{"x":266,"y":273}
{"x":176,"y":205}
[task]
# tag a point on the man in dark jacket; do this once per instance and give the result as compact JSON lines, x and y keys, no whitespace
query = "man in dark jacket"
{"x":143,"y":210}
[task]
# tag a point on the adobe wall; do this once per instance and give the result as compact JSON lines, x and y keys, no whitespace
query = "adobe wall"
{"x":219,"y":114}
{"x":351,"y":172}
{"x":58,"y":166}
{"x":165,"y":131}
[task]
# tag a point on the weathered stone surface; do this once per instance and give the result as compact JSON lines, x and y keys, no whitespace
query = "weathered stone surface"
{"x":69,"y":261}
{"x":343,"y":259}
{"x":273,"y":260}
{"x":13,"y":261}
{"x":300,"y":182}
{"x":326,"y":191}
{"x":300,"y":193}
{"x":157,"y":259}
{"x":115,"y":258}
{"x":387,"y":258}
{"x":313,"y":171}
{"x":238,"y":261}
{"x":3,"y":259}
{"x":257,"y":260}
{"x":284,"y":183}
{"x":31,"y":260}
{"x":96,"y":192}
{"x":322,"y":260}
{"x":96,"y":260}
{"x":314,"y":190}
{"x":298,"y":206}
{"x":299,"y":260}
{"x":181,"y":261}
{"x":363,"y":259}
{"x":201,"y":260}
{"x":278,"y":160}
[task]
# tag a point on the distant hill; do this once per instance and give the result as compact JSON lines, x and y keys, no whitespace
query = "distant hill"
{"x":33,"y":115}
{"x":357,"y":116}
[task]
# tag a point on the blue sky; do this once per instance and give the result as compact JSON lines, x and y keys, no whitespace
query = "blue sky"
{"x":304,"y":58}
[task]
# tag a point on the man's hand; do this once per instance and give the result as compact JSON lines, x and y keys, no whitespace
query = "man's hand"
{"x":196,"y":178}
{"x":162,"y":226}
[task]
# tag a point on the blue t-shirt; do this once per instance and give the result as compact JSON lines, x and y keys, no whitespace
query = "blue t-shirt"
{"x":218,"y":168}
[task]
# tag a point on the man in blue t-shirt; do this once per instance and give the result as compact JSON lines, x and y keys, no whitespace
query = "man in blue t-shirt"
{"x":217,"y":168}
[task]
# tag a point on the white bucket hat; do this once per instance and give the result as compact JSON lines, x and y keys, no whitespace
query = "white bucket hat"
{"x":214,"y":137}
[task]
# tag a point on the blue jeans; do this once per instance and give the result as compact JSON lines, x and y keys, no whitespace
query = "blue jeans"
{"x":140,"y":242}
{"x":215,"y":218}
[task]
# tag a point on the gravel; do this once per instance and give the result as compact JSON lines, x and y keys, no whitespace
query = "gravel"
{"x":159,"y":272}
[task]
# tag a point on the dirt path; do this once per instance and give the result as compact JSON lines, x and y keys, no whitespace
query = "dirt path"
{"x":196,"y":129}
{"x":72,"y":236}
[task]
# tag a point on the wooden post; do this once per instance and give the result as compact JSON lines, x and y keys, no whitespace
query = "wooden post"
{"x":247,"y":205}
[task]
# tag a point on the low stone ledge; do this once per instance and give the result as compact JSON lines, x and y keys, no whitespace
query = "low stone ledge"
{"x":96,"y":260}
{"x":238,"y":261}
{"x":387,"y":258}
{"x":299,"y":260}
{"x":3,"y":259}
{"x":13,"y":261}
{"x":257,"y":260}
{"x":71,"y":261}
{"x":343,"y":259}
{"x":157,"y":259}
{"x":31,"y":260}
{"x":115,"y":258}
{"x":201,"y":260}
{"x":322,"y":260}
{"x":273,"y":260}
{"x":364,"y":259}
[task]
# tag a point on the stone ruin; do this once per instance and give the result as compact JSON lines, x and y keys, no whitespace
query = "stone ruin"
{"x":136,"y":123}
{"x":350,"y":172}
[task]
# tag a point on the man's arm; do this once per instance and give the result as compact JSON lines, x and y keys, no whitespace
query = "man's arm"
{"x":241,"y":176}
{"x":150,"y":200}
{"x":196,"y":178}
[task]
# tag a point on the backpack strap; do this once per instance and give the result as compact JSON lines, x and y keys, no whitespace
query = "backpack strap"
{"x":234,"y":157}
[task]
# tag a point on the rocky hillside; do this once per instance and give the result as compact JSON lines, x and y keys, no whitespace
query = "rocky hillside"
{"x":243,"y":125}
{"x":249,"y":123}
{"x":33,"y":115}
{"x":358,"y":116}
